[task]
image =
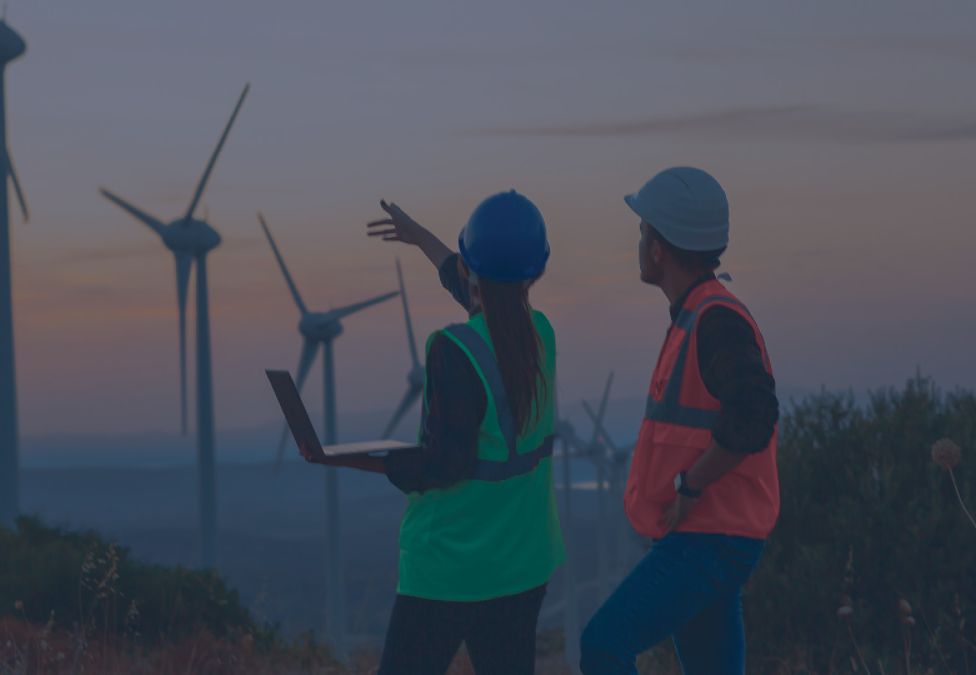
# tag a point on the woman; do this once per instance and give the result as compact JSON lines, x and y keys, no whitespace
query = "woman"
{"x":480,"y":536}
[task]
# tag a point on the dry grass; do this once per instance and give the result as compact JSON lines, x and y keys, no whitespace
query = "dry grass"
{"x":27,"y":648}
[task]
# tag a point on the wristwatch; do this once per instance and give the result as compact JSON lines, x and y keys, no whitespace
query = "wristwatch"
{"x":682,"y":488}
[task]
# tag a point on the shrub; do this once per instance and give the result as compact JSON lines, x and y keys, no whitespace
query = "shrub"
{"x":80,"y":581}
{"x":867,"y":514}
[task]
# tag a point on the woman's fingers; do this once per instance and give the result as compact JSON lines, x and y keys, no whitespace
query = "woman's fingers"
{"x":393,"y":228}
{"x":382,"y":233}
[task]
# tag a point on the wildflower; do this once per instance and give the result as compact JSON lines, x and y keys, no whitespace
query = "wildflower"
{"x":846,"y":609}
{"x":905,"y":609}
{"x":946,"y":453}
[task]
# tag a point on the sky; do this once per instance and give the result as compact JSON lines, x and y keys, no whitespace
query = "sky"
{"x":844,"y":134}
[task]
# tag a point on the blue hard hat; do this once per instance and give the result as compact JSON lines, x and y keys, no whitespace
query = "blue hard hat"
{"x":505,"y":239}
{"x":686,"y":206}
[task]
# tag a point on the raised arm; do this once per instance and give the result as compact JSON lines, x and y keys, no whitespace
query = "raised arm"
{"x":398,"y":226}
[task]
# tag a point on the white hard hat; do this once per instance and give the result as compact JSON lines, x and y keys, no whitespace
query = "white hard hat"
{"x":686,"y":206}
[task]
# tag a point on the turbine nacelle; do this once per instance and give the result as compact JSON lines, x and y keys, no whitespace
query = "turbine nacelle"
{"x":190,"y":235}
{"x":320,"y":326}
{"x":11,"y":44}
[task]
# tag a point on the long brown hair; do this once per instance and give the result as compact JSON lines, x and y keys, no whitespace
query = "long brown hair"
{"x":518,"y":347}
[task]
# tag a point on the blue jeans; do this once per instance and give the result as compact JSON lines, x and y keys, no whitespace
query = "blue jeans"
{"x":688,"y":587}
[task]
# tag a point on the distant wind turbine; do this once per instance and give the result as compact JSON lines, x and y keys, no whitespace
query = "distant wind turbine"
{"x":615,"y":458}
{"x":564,"y":432}
{"x":11,"y":47}
{"x":191,"y":240}
{"x":417,"y":374}
{"x":322,"y":328}
{"x":597,"y":453}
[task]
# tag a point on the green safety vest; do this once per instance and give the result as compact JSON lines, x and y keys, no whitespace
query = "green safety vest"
{"x":496,"y":533}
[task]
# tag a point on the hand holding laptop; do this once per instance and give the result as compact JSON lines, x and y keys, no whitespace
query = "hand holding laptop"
{"x":364,"y":455}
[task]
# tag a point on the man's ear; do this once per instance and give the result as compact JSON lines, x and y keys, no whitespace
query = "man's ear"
{"x":656,"y":251}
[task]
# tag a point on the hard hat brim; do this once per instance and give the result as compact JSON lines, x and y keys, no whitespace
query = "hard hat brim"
{"x":634,"y":203}
{"x":712,"y":239}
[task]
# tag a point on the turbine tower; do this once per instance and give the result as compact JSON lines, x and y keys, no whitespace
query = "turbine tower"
{"x":596,"y":452}
{"x":190,"y":240}
{"x":571,"y":620}
{"x":615,"y":459}
{"x":322,"y":328}
{"x":417,"y":374}
{"x":11,"y":47}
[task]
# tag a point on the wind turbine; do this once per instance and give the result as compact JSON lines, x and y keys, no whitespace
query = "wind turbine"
{"x":417,"y":374}
{"x":615,"y":457}
{"x":11,"y":47}
{"x":322,"y":328}
{"x":566,"y":433}
{"x":190,"y":240}
{"x":597,"y":453}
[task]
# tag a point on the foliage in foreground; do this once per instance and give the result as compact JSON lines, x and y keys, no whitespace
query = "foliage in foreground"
{"x":78,"y":581}
{"x":73,"y":603}
{"x":873,"y":561}
{"x":26,"y":647}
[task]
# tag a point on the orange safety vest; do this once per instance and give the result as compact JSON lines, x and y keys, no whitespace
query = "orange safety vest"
{"x":677,"y":430}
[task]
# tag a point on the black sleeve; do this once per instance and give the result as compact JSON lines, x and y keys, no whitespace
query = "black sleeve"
{"x":451,"y":280}
{"x":732,"y":368}
{"x":449,"y":439}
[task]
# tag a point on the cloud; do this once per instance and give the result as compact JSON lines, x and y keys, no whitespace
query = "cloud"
{"x":111,"y":253}
{"x":957,"y":47}
{"x":728,"y":119}
{"x":152,"y":249}
{"x":776,"y":122}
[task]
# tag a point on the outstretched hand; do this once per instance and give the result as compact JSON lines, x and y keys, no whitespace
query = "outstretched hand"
{"x":398,"y":227}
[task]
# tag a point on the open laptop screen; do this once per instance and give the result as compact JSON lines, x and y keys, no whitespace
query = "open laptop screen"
{"x":304,"y":433}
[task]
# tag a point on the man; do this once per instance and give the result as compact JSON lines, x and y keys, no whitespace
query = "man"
{"x":703,"y":482}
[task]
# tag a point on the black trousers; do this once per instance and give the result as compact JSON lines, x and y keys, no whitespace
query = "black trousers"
{"x":424,"y":635}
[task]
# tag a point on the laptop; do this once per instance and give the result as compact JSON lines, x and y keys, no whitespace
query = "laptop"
{"x":301,"y":426}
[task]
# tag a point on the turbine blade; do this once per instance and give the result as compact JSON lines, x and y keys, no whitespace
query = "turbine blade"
{"x":598,"y":426}
{"x":405,"y":404}
{"x":309,"y":350}
{"x":201,"y":186}
{"x":603,"y":410}
{"x":184,"y":261}
{"x":352,"y":309}
{"x":154,"y":223}
{"x":406,"y":315}
{"x":606,"y":397}
{"x":281,"y":263}
{"x":19,"y":192}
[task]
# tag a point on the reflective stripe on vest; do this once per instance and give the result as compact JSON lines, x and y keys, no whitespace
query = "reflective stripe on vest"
{"x":516,"y":464}
{"x":669,"y":408}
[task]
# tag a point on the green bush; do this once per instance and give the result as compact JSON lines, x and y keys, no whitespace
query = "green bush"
{"x":80,"y":581}
{"x":866,"y":513}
